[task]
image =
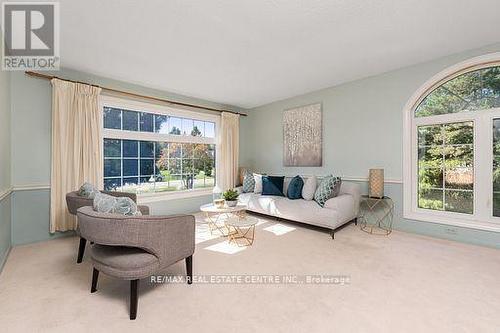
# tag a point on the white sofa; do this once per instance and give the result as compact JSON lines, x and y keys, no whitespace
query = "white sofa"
{"x":337,"y":211}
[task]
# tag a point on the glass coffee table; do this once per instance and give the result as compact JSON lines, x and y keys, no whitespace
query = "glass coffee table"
{"x":217,"y":217}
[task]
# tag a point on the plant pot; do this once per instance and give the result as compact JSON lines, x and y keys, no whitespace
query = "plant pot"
{"x":231,"y":203}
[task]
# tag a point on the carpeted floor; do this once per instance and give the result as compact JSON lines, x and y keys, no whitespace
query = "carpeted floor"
{"x":400,"y":283}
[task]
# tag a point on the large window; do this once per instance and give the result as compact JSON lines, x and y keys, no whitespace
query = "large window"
{"x":452,"y":157}
{"x":151,"y":149}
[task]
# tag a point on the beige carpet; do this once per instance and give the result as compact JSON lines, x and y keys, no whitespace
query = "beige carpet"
{"x":399,"y":283}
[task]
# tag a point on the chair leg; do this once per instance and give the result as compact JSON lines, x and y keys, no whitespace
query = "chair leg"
{"x":189,"y":269}
{"x":81,"y":250}
{"x":333,"y":234}
{"x":134,"y":285}
{"x":95,"y":277}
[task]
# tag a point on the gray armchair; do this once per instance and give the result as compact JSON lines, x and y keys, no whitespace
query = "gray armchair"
{"x":74,"y":201}
{"x":135,"y":247}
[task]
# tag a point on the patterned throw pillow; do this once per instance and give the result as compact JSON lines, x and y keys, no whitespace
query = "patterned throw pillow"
{"x":104,"y":203}
{"x":88,"y":191}
{"x":328,"y":188}
{"x":248,"y":182}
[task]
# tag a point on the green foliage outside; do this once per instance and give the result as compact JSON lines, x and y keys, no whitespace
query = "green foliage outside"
{"x":477,"y":90}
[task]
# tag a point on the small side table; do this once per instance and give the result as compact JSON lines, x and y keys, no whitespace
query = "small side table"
{"x":376,"y":215}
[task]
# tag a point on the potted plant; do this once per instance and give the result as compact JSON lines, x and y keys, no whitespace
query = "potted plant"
{"x":231,"y":197}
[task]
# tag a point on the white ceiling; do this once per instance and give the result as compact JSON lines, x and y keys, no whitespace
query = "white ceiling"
{"x":249,"y":53}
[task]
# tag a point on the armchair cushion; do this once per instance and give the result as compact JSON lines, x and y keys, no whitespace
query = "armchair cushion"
{"x":124,"y":262}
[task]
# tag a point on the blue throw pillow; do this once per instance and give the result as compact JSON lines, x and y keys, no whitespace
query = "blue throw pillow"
{"x":295,"y":188}
{"x":272,"y":185}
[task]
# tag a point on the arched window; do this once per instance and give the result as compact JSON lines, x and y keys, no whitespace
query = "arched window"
{"x":452,"y":147}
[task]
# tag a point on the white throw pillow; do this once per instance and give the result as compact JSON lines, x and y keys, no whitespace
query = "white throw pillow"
{"x":258,"y":183}
{"x":309,"y":188}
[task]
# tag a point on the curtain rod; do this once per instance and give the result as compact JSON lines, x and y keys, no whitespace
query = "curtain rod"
{"x":50,"y":77}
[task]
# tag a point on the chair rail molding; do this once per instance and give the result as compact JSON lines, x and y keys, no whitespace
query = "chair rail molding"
{"x":30,"y":187}
{"x":5,"y":193}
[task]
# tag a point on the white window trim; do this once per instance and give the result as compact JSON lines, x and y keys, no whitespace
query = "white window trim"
{"x":133,"y":105}
{"x":481,"y":219}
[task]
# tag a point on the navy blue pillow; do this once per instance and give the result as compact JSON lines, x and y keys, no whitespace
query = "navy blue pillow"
{"x":272,"y":185}
{"x":295,"y":188}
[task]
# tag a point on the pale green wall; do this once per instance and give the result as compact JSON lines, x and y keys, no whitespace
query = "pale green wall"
{"x":362,"y":129}
{"x":5,"y":184}
{"x":31,"y":132}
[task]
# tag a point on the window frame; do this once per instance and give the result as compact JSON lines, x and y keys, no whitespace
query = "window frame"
{"x":139,"y":106}
{"x":482,"y":217}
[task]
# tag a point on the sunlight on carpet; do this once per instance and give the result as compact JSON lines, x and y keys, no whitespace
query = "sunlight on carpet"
{"x":225,"y":247}
{"x":279,"y":229}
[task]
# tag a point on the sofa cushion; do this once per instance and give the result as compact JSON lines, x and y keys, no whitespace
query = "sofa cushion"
{"x":272,"y":185}
{"x":294,"y":190}
{"x":309,"y":188}
{"x":248,"y":182}
{"x":328,"y":188}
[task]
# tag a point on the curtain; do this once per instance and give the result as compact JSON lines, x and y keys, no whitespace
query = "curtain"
{"x":229,"y":141}
{"x":76,"y":146}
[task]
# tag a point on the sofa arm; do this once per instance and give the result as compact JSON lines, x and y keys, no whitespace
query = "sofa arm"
{"x":354,"y":190}
{"x":344,"y":205}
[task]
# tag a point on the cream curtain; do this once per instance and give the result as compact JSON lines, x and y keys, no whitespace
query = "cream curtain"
{"x":76,"y":146}
{"x":229,"y":141}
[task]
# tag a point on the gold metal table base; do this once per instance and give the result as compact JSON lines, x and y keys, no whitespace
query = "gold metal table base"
{"x":238,"y":235}
{"x":376,"y":215}
{"x":216,"y":221}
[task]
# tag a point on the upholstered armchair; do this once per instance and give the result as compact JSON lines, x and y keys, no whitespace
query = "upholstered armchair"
{"x":74,"y":201}
{"x":136,"y":247}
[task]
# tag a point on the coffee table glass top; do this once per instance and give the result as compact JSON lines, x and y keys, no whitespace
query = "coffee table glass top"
{"x":210,"y":208}
{"x":246,"y":222}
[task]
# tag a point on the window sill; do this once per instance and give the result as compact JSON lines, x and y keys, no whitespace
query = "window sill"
{"x":456,"y":220}
{"x":156,"y":197}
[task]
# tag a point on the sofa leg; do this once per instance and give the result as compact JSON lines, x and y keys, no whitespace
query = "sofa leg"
{"x":81,"y":249}
{"x":333,"y":234}
{"x":134,"y":285}
{"x":355,"y":221}
{"x":189,"y":269}
{"x":95,"y":277}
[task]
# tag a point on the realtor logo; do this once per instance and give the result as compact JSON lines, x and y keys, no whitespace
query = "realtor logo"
{"x":31,"y":35}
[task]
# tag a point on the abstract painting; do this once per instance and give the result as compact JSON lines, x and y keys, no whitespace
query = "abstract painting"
{"x":302,"y":136}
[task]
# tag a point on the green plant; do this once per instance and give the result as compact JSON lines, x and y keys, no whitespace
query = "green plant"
{"x":230,"y":195}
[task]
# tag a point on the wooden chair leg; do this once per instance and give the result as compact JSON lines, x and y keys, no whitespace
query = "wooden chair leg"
{"x":95,"y":277}
{"x":189,"y":269}
{"x":134,"y":285}
{"x":81,"y":249}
